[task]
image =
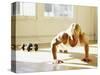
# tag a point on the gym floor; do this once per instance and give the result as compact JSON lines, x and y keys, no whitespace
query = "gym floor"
{"x":41,"y":61}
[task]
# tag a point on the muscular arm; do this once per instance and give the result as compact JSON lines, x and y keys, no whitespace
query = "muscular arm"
{"x":54,"y":53}
{"x":54,"y":49}
{"x":84,"y":39}
{"x":62,"y":39}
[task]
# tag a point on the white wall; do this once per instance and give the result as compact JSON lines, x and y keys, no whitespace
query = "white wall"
{"x":87,"y":17}
{"x":43,"y":29}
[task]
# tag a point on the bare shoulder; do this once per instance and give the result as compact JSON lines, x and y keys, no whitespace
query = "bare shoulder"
{"x":64,"y":35}
{"x":82,"y":34}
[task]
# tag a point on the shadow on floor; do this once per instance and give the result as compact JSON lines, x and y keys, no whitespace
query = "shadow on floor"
{"x":28,"y":67}
{"x":79,"y":56}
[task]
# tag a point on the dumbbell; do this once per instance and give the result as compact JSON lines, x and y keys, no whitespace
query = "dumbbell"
{"x":23,"y":47}
{"x":30,"y":47}
{"x":36,"y":47}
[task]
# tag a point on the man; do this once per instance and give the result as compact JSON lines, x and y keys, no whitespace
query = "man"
{"x":70,"y":36}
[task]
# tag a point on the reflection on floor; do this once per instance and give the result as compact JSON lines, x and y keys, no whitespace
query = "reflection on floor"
{"x":41,"y":61}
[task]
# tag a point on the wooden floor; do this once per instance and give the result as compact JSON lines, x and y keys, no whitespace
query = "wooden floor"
{"x":41,"y":61}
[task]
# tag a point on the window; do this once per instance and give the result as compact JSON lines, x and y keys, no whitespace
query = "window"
{"x":15,"y":9}
{"x":23,"y":9}
{"x":58,"y":10}
{"x":49,"y":10}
